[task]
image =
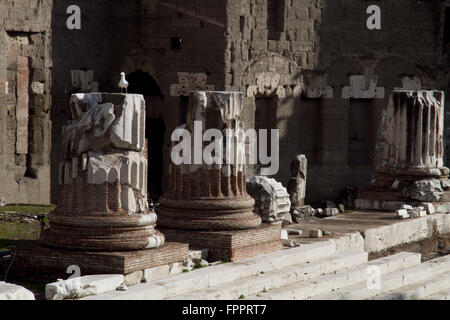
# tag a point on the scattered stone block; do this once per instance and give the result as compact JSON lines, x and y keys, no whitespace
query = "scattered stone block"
{"x":429,"y":208}
{"x":288,"y":243}
{"x":272,"y":201}
{"x":133,"y":278}
{"x":329,"y":212}
{"x":315,"y":233}
{"x":284,"y":234}
{"x":326,"y":233}
{"x":402,"y":213}
{"x":406,"y":206}
{"x":198,"y":254}
{"x":79,"y":287}
{"x":9,"y":291}
{"x":298,"y":214}
{"x":417,"y":213}
{"x":187,"y":265}
{"x":155,"y":273}
{"x":294,"y":232}
{"x":424,"y":190}
{"x":175,"y":268}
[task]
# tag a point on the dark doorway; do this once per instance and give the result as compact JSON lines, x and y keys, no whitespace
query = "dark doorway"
{"x":141,"y":82}
{"x":266,"y":118}
{"x":361,"y":132}
{"x":155,"y":129}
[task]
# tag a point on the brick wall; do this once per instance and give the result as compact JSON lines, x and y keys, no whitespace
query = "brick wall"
{"x":329,"y":39}
{"x":25,"y":82}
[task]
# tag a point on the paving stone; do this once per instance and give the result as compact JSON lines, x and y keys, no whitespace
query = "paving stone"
{"x":294,"y":232}
{"x":315,"y":233}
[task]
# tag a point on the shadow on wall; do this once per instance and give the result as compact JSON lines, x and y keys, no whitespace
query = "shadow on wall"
{"x":341,"y":137}
{"x":141,"y":82}
{"x":97,"y":49}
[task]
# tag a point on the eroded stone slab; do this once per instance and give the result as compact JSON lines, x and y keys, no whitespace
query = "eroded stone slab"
{"x":9,"y":291}
{"x":79,"y":287}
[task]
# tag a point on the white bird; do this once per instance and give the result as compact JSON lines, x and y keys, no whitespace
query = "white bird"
{"x":123,"y":84}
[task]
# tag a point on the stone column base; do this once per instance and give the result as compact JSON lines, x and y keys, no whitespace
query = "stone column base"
{"x":231,"y":245}
{"x":35,"y":260}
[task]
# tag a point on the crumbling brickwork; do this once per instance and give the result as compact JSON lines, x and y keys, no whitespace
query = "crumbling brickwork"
{"x":310,"y":68}
{"x":25,"y":84}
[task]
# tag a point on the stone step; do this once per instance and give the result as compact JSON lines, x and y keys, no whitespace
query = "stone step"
{"x":443,"y":295}
{"x":392,"y":281}
{"x":224,"y":273}
{"x":275,"y":279}
{"x":419,"y":290}
{"x":327,"y":283}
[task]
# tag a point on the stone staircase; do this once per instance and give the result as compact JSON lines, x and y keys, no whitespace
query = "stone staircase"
{"x":331,"y":269}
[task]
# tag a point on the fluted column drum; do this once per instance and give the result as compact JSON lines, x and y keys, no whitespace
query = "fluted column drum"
{"x":207,"y":190}
{"x":102,"y":201}
{"x":413,"y":136}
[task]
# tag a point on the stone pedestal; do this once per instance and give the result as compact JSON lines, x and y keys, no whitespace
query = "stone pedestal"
{"x":210,"y":196}
{"x":102,"y":184}
{"x":412,"y":169}
{"x":207,"y":195}
{"x":35,"y":261}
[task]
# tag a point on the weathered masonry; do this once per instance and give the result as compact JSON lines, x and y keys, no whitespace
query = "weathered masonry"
{"x":25,"y":83}
{"x":309,"y":68}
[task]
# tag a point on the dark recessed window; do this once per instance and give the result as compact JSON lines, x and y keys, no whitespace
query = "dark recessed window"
{"x":275,"y":18}
{"x":175,"y":43}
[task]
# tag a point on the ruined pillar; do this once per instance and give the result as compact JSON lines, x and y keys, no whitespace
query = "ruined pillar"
{"x":207,"y":204}
{"x":412,"y":168}
{"x":103,"y":179}
{"x":205,"y":194}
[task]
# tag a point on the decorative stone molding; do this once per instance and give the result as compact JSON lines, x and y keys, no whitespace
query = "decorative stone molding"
{"x":411,"y":83}
{"x":269,"y":84}
{"x":358,"y":88}
{"x":188,"y":82}
{"x":84,"y":80}
{"x":316,"y":87}
{"x":271,"y":199}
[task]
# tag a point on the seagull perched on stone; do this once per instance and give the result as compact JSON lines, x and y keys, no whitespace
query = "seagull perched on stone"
{"x":123,"y":84}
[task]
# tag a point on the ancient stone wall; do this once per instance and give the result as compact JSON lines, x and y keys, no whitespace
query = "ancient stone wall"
{"x":179,"y":45}
{"x":323,"y":78}
{"x":25,"y":84}
{"x":310,"y":68}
